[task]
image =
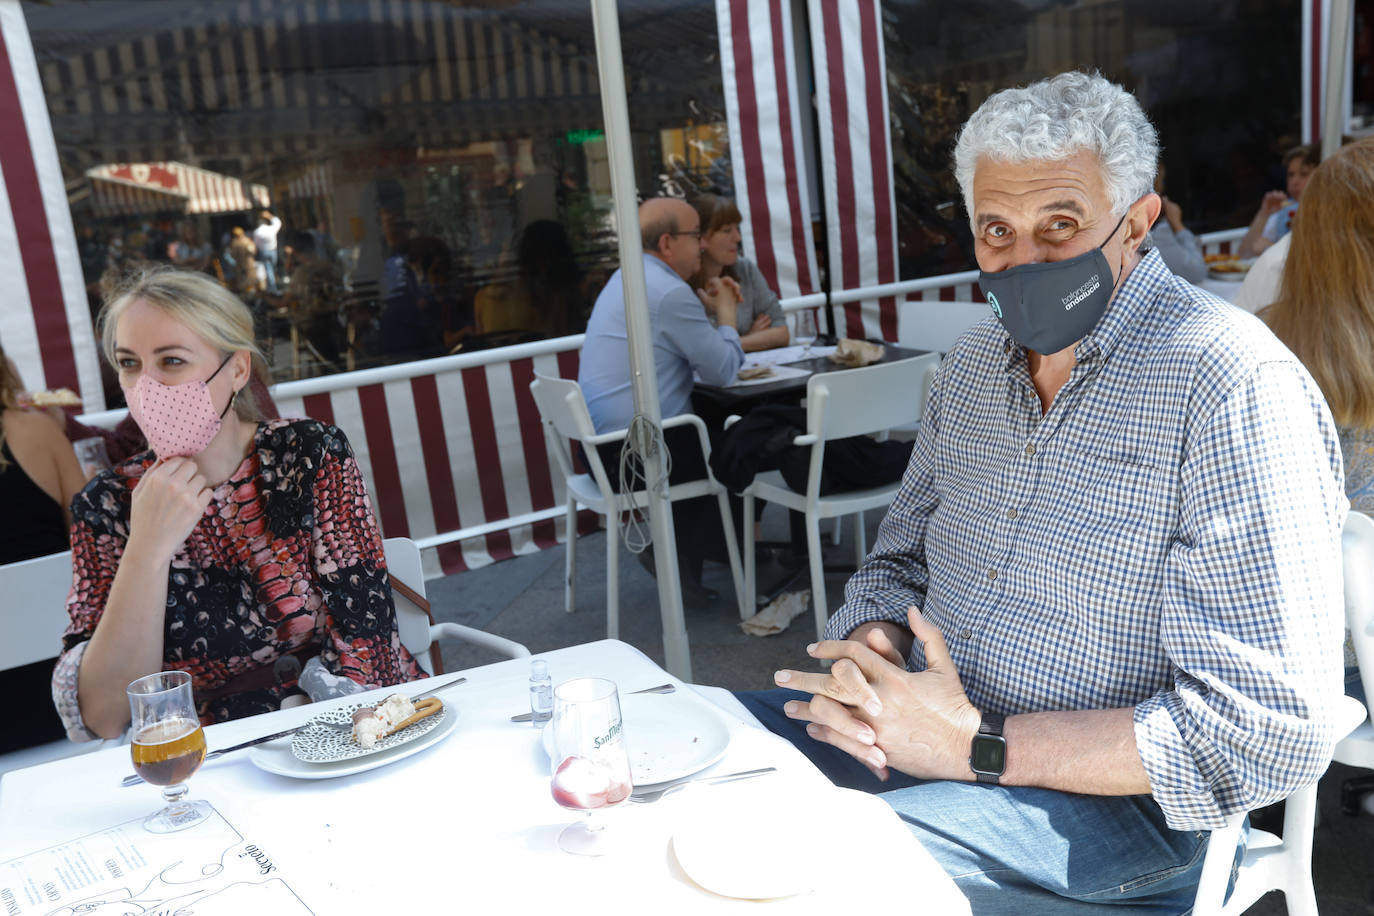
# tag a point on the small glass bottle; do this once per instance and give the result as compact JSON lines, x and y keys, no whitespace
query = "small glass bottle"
{"x":541,"y":693}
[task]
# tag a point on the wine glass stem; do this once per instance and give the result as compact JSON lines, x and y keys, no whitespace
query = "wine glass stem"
{"x":594,"y":824}
{"x":174,"y":793}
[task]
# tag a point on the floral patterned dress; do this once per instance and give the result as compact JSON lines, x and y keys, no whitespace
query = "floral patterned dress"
{"x":287,"y":557}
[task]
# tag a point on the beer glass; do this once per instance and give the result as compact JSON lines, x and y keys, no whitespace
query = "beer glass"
{"x":168,"y":745}
{"x":591,"y":767}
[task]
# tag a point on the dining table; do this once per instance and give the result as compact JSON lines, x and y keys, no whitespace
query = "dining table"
{"x":465,"y":817}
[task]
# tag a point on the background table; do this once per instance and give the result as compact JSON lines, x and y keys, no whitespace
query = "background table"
{"x":471,"y":820}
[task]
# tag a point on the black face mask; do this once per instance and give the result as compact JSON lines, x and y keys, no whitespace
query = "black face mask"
{"x":1046,"y":307}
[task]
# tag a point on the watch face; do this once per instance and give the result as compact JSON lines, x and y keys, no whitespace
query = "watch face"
{"x":989,"y":754}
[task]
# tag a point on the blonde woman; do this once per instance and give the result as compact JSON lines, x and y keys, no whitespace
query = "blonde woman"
{"x":1325,"y":308}
{"x":759,"y":317}
{"x":231,"y":543}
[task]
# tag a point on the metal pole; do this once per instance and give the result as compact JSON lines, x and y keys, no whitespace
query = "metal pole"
{"x":643,"y":381}
{"x":1333,"y":88}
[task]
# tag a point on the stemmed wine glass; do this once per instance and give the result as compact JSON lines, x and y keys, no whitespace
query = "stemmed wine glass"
{"x":168,"y":745}
{"x":591,"y":768}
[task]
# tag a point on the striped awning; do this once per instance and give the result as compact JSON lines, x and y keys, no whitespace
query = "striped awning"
{"x":144,"y":187}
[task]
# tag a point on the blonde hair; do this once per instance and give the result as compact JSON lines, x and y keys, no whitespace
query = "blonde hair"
{"x":1325,"y":308}
{"x":216,"y":315}
{"x":9,"y":398}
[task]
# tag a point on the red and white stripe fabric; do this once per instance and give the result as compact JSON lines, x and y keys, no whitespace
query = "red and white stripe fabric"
{"x":204,"y":191}
{"x":856,"y":158}
{"x":759,"y":74}
{"x":451,"y":448}
{"x":45,"y":323}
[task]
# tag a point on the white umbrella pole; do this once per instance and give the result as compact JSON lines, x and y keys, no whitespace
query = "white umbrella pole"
{"x":643,"y":381}
{"x":1333,"y":88}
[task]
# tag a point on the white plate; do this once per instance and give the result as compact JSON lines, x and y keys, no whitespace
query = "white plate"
{"x":330,"y":745}
{"x":276,"y":756}
{"x":767,"y":850}
{"x":668,"y":737}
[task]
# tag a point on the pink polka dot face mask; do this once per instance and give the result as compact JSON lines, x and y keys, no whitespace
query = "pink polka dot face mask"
{"x":178,"y":420}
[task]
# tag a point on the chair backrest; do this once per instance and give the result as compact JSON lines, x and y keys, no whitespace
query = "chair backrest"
{"x":403,"y":562}
{"x":856,"y":402}
{"x":563,"y":409}
{"x":1357,"y":551}
{"x":1286,"y":865}
{"x":35,"y":608}
{"x":928,"y":324}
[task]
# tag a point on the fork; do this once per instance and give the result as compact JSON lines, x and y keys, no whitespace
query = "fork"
{"x":645,"y":796}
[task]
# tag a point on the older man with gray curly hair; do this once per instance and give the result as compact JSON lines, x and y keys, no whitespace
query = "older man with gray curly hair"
{"x":1104,"y":610}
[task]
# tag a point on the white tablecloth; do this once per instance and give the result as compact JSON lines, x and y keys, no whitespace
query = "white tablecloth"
{"x":470,"y":821}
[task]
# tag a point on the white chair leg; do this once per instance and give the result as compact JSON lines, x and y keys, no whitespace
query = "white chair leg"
{"x":835,"y":531}
{"x":748,"y":599}
{"x":612,"y":578}
{"x":570,"y":559}
{"x":1299,"y":820}
{"x":860,"y":539}
{"x":813,"y":551}
{"x":732,"y":549}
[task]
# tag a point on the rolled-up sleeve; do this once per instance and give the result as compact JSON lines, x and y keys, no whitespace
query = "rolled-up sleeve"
{"x":1253,"y":606}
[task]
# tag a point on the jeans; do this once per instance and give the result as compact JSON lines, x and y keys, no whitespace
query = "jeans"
{"x":1024,"y":851}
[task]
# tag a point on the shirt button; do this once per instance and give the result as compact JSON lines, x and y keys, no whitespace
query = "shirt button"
{"x":1030,"y":449}
{"x":1011,"y":513}
{"x":966,"y":633}
{"x":992,"y":574}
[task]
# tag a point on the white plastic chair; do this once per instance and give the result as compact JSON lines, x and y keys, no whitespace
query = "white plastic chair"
{"x":1357,"y":748}
{"x":1285,"y":864}
{"x":853,"y":402}
{"x":33,"y":618}
{"x":564,"y":412}
{"x":418,"y":633}
{"x":930,"y":324}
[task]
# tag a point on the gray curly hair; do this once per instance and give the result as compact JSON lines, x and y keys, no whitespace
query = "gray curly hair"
{"x":1059,"y":117}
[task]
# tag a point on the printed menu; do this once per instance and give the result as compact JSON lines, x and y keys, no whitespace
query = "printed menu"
{"x":208,"y":869}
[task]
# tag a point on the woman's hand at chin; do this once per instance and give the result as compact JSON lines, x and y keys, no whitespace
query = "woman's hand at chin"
{"x":167,"y":504}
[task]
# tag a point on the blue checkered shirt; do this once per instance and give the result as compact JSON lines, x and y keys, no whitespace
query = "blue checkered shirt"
{"x":1166,"y":537}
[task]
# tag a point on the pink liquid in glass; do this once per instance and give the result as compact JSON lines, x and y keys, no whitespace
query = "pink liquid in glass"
{"x":581,"y":784}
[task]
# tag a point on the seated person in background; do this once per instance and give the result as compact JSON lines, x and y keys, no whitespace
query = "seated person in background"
{"x":411,"y":323}
{"x":245,"y":255}
{"x":758,"y":315}
{"x":684,"y":342}
{"x":1176,"y":245}
{"x":1324,"y":312}
{"x":39,"y":475}
{"x":1092,"y":626}
{"x":544,"y":293}
{"x":1274,"y":217}
{"x":231,"y":544}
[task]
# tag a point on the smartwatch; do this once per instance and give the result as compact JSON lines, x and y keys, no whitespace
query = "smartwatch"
{"x":988,"y":756}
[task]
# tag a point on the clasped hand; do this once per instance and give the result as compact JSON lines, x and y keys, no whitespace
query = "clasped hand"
{"x":869,"y":706}
{"x":166,"y":505}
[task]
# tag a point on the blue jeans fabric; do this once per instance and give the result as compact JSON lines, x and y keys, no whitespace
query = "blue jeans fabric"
{"x":1024,"y":851}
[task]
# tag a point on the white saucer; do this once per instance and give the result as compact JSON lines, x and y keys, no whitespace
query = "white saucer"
{"x":276,"y":756}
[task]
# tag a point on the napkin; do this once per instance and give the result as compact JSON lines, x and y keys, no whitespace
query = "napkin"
{"x":780,"y":612}
{"x":852,"y":353}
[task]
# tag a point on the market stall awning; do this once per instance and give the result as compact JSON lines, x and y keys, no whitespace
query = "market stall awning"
{"x":151,"y":187}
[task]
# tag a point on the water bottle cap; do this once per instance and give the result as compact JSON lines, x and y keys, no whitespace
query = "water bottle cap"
{"x":539,"y":669}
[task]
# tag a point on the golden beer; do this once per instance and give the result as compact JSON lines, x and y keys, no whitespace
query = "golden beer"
{"x":168,"y":752}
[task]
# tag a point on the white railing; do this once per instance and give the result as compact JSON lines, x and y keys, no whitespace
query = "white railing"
{"x":486,"y":454}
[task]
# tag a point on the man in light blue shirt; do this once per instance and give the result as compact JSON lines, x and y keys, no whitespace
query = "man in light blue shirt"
{"x":684,"y":343}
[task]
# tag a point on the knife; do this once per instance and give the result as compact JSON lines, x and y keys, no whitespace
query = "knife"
{"x":661,"y":688}
{"x":135,"y":779}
